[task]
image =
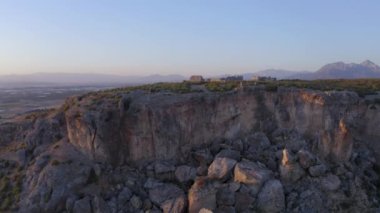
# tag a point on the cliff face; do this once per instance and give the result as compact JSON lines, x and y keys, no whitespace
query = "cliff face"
{"x":220,"y":151}
{"x":145,"y":127}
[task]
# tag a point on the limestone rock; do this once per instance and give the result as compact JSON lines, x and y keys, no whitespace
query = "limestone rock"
{"x":99,"y":205}
{"x":124,"y":196}
{"x":185,"y":173}
{"x":82,"y":206}
{"x":271,"y":198}
{"x":225,"y":196}
{"x":164,"y":170}
{"x":290,"y":170}
{"x":251,"y":174}
{"x":204,"y":210}
{"x":225,"y":209}
{"x":136,"y":202}
{"x":203,"y":156}
{"x":259,"y":140}
{"x":229,"y":153}
{"x":202,"y":195}
{"x":243,"y":201}
{"x":221,"y":168}
{"x":306,"y":159}
{"x":317,"y":170}
{"x":164,"y":192}
{"x":330,"y":182}
{"x":175,"y":205}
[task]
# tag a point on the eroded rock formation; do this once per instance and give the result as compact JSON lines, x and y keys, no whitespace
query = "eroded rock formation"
{"x":241,"y":151}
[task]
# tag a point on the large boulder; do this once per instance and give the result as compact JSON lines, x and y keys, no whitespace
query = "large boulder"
{"x":202,"y":195}
{"x":99,"y":205}
{"x":203,"y":156}
{"x":164,"y":170}
{"x":185,"y":173}
{"x":290,"y":170}
{"x":175,"y":205}
{"x":221,"y":168}
{"x":271,"y":198}
{"x":252,"y":174}
{"x":229,"y":153}
{"x":317,"y":170}
{"x":330,"y":182}
{"x":225,"y":197}
{"x":169,"y":197}
{"x":244,"y":201}
{"x":82,"y":206}
{"x":124,"y":196}
{"x":305,"y":158}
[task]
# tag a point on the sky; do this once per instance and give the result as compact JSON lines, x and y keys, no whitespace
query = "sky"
{"x":185,"y":36}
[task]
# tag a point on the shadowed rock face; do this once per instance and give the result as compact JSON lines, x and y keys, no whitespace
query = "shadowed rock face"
{"x":166,"y":152}
{"x":145,"y":127}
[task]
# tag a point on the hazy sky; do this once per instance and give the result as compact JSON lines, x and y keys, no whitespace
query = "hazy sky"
{"x":185,"y":36}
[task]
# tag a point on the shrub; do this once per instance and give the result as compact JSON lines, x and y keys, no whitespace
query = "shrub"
{"x":55,"y":163}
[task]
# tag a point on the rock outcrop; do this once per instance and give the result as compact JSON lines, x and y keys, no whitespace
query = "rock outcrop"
{"x":242,"y":151}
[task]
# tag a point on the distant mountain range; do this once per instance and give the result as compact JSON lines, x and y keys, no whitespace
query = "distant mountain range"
{"x":338,"y":70}
{"x":81,"y":79}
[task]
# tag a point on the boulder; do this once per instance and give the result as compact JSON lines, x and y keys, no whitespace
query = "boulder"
{"x":238,"y":145}
{"x":164,"y":192}
{"x":202,"y":195}
{"x":305,"y":158}
{"x":288,"y":138}
{"x":124,"y":196}
{"x":259,"y":140}
{"x":99,"y":205}
{"x":252,"y":174}
{"x":136,"y":202}
{"x":82,"y":206}
{"x":271,"y":198}
{"x":151,"y":183}
{"x":163,"y":167}
{"x":225,"y":196}
{"x":185,"y":173}
{"x":330,"y":182}
{"x":203,"y":156}
{"x":290,"y":170}
{"x":202,"y":170}
{"x":164,"y":170}
{"x":234,"y":186}
{"x":243,"y":201}
{"x":175,"y":205}
{"x":221,"y":168}
{"x":317,"y":170}
{"x":311,"y":199}
{"x":229,"y":153}
{"x":204,"y":210}
{"x":225,"y":209}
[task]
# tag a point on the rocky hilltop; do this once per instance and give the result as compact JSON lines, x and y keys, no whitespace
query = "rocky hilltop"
{"x":247,"y":150}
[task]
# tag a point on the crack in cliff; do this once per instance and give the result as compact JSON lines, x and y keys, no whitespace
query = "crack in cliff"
{"x":93,"y":142}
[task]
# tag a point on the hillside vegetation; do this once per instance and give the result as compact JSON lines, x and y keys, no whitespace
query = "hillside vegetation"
{"x":361,"y":86}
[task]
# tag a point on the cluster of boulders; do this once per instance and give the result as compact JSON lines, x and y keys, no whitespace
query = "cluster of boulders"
{"x":276,"y":172}
{"x":251,"y":174}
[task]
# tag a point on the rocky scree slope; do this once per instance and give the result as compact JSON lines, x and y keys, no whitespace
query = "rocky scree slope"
{"x":241,"y":151}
